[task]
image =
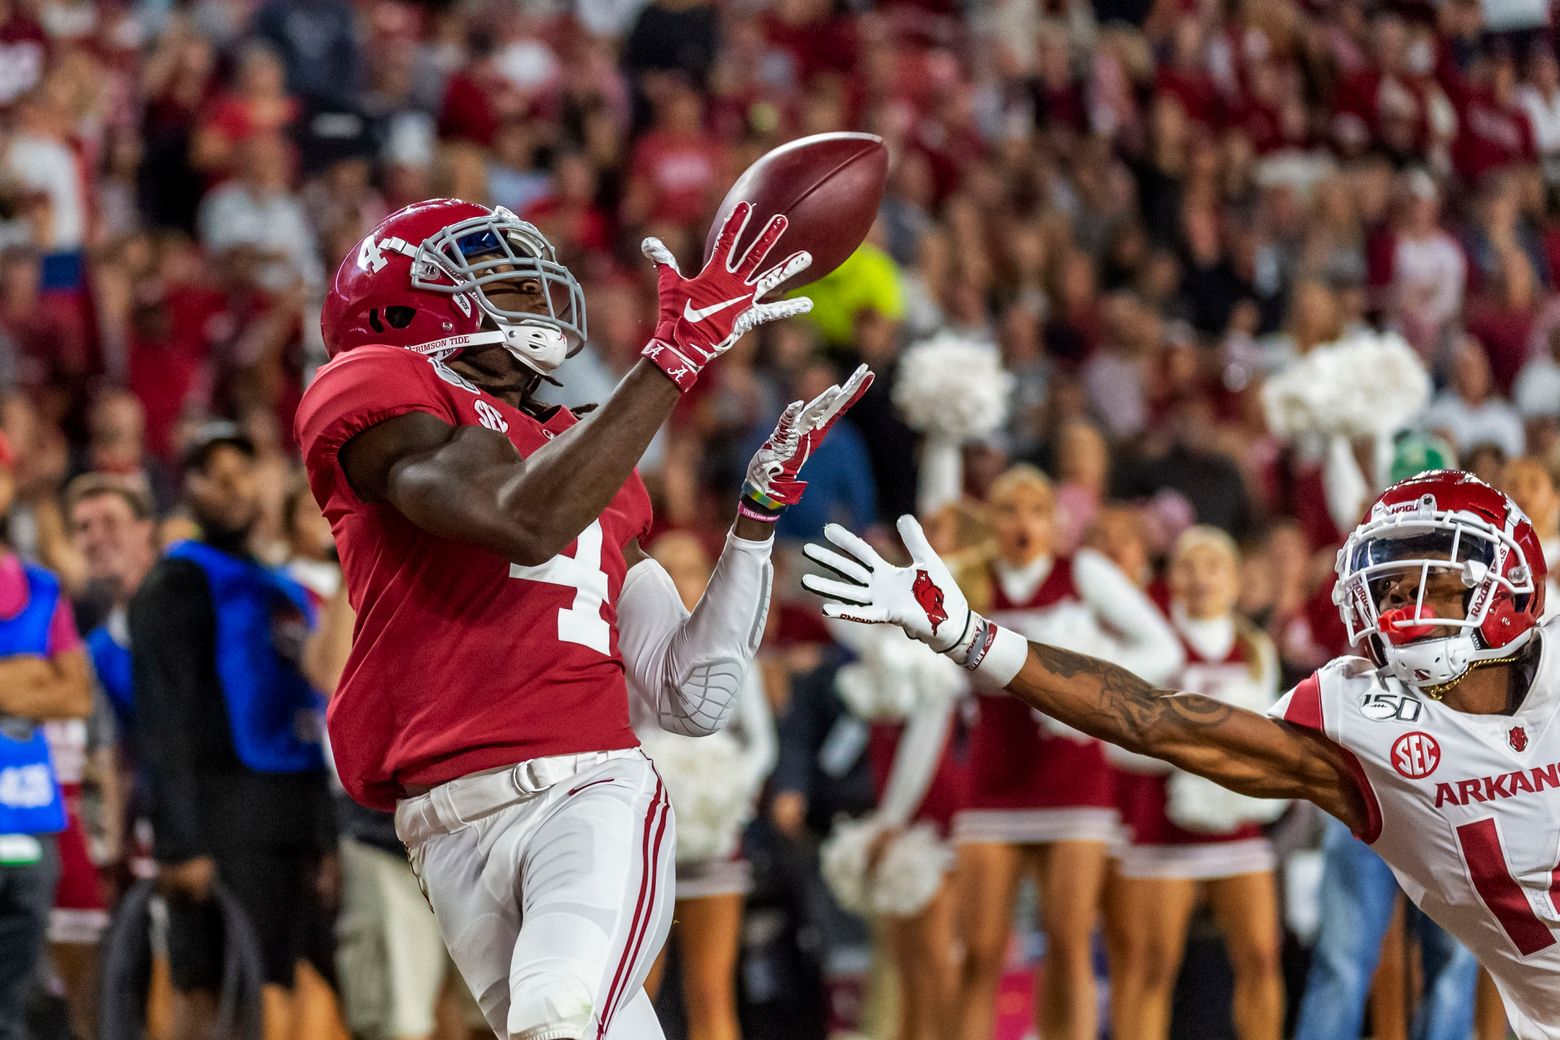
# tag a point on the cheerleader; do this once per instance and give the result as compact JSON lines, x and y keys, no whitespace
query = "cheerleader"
{"x":1187,"y":837}
{"x":918,"y":778}
{"x":1040,"y":799}
{"x":711,"y":888}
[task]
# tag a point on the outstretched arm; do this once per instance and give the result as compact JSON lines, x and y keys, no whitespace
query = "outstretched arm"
{"x":1240,"y":749}
{"x":688,"y":667}
{"x":469,"y":483}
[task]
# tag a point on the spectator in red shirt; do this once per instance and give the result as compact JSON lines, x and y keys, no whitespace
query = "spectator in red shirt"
{"x":1502,"y":318}
{"x":1388,"y":104}
{"x":175,"y":325}
{"x":676,"y":165}
{"x":1185,"y":75}
{"x":1058,"y":94}
{"x":813,"y":38}
{"x":1273,"y":114}
{"x":1493,"y":132}
{"x":478,"y":98}
{"x":569,"y":215}
{"x":54,"y":353}
{"x":177,"y":80}
{"x":257,"y":105}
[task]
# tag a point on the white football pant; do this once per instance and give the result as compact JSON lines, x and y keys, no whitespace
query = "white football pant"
{"x":552,"y":882}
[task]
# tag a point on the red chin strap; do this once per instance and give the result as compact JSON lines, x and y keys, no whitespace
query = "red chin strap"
{"x":1388,"y":624}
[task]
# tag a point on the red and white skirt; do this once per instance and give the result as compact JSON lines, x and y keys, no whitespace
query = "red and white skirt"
{"x":1154,"y":846}
{"x":1029,"y":785}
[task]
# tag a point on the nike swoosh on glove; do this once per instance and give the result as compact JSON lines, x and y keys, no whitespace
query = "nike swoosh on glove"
{"x":701,"y":317}
{"x":772,"y":483}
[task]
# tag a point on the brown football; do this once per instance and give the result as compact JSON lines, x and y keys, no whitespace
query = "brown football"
{"x":828,"y":186}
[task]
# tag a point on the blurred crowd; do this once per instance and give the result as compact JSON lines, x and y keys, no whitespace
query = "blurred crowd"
{"x":1145,"y":207}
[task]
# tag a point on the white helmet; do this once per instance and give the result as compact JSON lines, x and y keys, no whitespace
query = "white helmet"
{"x":1442,"y":520}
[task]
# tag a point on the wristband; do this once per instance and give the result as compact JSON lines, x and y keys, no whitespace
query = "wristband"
{"x":996,"y":654}
{"x":753,"y":511}
{"x":755,"y":496}
{"x":672,"y":363}
{"x":755,"y":505}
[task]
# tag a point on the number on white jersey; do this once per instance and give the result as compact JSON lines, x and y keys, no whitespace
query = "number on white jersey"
{"x":581,"y":622}
{"x":1490,"y":873}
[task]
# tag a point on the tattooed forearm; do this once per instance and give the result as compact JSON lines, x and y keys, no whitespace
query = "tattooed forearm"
{"x":1110,"y":702}
{"x":1242,"y":750}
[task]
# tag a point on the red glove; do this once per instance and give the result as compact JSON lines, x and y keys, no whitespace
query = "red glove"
{"x":702,"y":317}
{"x":772,"y":476}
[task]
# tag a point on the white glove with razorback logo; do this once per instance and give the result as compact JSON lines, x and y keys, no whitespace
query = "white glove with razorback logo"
{"x":702,"y":317}
{"x":922,"y":598}
{"x":772,"y":483}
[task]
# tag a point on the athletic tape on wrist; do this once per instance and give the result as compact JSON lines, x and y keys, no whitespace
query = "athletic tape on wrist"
{"x":996,"y":654}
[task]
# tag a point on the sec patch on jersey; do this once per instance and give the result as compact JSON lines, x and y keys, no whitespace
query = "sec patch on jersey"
{"x":1415,"y":755}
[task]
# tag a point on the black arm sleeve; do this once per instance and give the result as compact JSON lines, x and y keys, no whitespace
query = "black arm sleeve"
{"x":171,"y":652}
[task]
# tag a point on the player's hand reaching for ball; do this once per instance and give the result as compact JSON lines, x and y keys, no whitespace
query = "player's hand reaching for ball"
{"x":921,"y":598}
{"x":772,"y":481}
{"x":702,"y":317}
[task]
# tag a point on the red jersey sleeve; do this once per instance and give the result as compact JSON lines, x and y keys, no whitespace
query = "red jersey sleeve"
{"x":363,"y":388}
{"x":1302,"y":706}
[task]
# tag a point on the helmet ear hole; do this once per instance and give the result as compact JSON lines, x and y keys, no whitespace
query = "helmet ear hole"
{"x":399,"y":317}
{"x":374,"y":322}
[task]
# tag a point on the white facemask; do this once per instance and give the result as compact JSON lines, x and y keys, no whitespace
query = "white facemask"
{"x":539,"y":346}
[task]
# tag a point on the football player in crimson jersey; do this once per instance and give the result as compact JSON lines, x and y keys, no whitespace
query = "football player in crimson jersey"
{"x":505,"y":611}
{"x":1442,"y":748}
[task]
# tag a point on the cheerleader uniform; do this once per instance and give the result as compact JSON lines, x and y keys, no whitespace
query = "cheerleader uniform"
{"x":1233,"y":662}
{"x":918,"y":775}
{"x":1033,"y":780}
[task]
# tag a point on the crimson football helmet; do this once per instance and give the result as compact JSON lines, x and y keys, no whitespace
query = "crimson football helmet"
{"x":419,"y":281}
{"x":1440,"y":521}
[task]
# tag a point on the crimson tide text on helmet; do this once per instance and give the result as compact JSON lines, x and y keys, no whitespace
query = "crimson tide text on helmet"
{"x":1440,"y":521}
{"x":418,"y":280}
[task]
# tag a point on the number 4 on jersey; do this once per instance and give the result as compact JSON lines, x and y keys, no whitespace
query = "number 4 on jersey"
{"x":580,"y":622}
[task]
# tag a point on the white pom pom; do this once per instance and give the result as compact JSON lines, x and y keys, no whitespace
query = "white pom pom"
{"x":896,"y":676}
{"x":908,"y":875}
{"x":711,"y":807}
{"x":1368,"y":384}
{"x":843,"y":861}
{"x":953,"y":387}
{"x":911,"y":872}
{"x":1200,"y":805}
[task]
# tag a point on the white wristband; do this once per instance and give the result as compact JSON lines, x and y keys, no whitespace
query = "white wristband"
{"x":996,"y":654}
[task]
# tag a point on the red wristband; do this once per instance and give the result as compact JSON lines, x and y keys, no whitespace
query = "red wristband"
{"x":672,"y":362}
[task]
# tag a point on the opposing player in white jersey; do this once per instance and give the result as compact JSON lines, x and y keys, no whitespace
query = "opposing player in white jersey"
{"x":1441,"y":746}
